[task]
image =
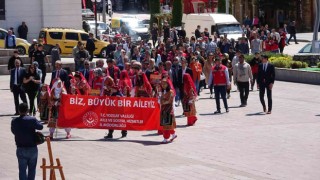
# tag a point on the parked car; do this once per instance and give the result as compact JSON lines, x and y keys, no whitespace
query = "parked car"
{"x":306,"y":49}
{"x":67,"y":39}
{"x":137,"y":30}
{"x":87,"y":14}
{"x":22,"y":45}
{"x":103,"y":28}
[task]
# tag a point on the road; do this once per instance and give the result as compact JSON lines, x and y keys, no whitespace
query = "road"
{"x":241,"y":144}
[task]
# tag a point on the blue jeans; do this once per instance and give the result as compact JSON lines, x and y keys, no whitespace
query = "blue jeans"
{"x":177,"y":97}
{"x":27,"y":159}
{"x":197,"y":83}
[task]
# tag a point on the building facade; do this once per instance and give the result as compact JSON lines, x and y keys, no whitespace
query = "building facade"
{"x":40,"y":13}
{"x":302,"y":11}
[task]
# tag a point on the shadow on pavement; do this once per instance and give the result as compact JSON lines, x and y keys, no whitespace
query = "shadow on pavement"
{"x":143,"y":142}
{"x":6,"y":115}
{"x":234,"y":107}
{"x":256,"y":114}
{"x":4,"y":89}
{"x":153,"y":134}
{"x":207,"y":114}
{"x":318,"y":115}
{"x":182,"y":126}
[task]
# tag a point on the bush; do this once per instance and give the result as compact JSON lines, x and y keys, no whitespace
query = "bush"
{"x":305,"y":65}
{"x":296,"y":64}
{"x":318,"y":65}
{"x":281,"y":61}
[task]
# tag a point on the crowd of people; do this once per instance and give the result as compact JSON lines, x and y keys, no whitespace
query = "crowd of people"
{"x":174,"y":71}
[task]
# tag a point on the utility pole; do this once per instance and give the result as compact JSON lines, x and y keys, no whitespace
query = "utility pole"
{"x":315,"y":40}
{"x":227,"y":6}
{"x":104,"y":11}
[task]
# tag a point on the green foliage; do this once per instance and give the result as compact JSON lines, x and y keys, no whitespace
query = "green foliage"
{"x":318,"y":65}
{"x":154,"y":9}
{"x":176,"y":13}
{"x":222,"y":6}
{"x":296,"y":64}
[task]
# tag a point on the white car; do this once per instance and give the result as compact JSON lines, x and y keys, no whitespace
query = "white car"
{"x":87,"y":14}
{"x":103,"y":28}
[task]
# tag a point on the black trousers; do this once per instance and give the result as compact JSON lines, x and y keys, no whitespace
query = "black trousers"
{"x":211,"y":88}
{"x":263,"y":88}
{"x":123,"y":132}
{"x":44,"y":73}
{"x":294,"y":37}
{"x":244,"y":91}
{"x":220,"y":91}
{"x":154,"y":41}
{"x":32,"y":97}
{"x":91,"y":55}
{"x":17,"y":91}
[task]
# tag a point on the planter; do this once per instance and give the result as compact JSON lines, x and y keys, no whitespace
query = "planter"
{"x":299,"y":76}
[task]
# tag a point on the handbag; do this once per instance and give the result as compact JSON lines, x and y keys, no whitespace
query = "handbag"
{"x":39,"y":138}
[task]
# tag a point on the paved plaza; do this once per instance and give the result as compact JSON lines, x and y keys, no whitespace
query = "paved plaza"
{"x":241,"y":144}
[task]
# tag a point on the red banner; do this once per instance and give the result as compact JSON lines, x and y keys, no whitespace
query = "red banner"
{"x":103,"y":112}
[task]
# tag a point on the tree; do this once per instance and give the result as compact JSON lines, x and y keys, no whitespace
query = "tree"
{"x":154,"y":9}
{"x":221,"y":6}
{"x":176,"y":13}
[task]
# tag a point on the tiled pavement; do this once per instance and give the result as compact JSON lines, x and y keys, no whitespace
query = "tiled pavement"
{"x":243,"y":144}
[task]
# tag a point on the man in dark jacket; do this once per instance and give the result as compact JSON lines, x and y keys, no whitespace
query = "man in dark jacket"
{"x":266,"y":77}
{"x":292,"y":32}
{"x":11,"y":62}
{"x":23,"y":31}
{"x":90,"y":46}
{"x":16,"y":79}
{"x":24,"y":128}
{"x":166,"y":31}
{"x":197,"y":32}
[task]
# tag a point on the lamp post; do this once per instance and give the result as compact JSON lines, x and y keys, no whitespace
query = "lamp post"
{"x":95,"y":15}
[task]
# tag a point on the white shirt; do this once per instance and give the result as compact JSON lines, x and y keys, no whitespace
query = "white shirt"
{"x":15,"y":76}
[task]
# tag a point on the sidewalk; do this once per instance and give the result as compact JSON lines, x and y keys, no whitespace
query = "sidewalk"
{"x":242,"y":144}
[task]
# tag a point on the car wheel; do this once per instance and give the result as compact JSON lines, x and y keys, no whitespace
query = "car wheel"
{"x":21,"y":50}
{"x":103,"y":53}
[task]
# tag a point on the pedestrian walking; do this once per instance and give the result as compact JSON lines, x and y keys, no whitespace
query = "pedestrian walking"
{"x":40,"y":56}
{"x":292,"y":32}
{"x":90,"y":46}
{"x":16,"y":81}
{"x":241,"y":75}
{"x":24,"y":128}
{"x":219,"y":77}
{"x":266,"y":77}
{"x":55,"y":55}
{"x":31,"y":84}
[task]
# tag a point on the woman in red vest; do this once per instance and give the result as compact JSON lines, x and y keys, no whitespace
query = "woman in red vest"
{"x":189,"y":98}
{"x":97,"y":82}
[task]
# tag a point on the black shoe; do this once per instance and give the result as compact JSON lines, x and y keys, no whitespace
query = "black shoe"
{"x":227,"y":110}
{"x":217,"y":112}
{"x":16,"y":114}
{"x":109,"y":136}
{"x":264,"y":109}
{"x":242,"y":105}
{"x":297,"y":43}
{"x":124,"y":135}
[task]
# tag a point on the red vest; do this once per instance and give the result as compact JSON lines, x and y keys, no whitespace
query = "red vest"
{"x":219,"y":76}
{"x":97,"y":83}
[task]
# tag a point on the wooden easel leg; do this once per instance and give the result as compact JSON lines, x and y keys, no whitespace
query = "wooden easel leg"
{"x":44,"y":175}
{"x":60,"y":169}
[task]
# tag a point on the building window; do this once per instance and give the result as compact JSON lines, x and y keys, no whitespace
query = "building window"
{"x":2,"y":10}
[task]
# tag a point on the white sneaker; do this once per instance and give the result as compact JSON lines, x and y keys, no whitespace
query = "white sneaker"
{"x":165,"y":141}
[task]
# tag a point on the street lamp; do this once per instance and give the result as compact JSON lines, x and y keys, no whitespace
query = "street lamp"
{"x":95,"y":15}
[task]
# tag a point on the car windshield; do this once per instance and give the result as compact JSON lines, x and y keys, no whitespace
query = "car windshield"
{"x":229,"y":29}
{"x":132,"y":22}
{"x":86,"y":11}
{"x":306,"y":49}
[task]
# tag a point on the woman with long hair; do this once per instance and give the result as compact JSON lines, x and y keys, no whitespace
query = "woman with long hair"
{"x":167,"y":118}
{"x":125,"y":84}
{"x":189,"y":98}
{"x":31,"y":84}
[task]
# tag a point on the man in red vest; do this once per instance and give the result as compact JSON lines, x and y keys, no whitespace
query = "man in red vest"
{"x":219,"y":77}
{"x":113,"y":70}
